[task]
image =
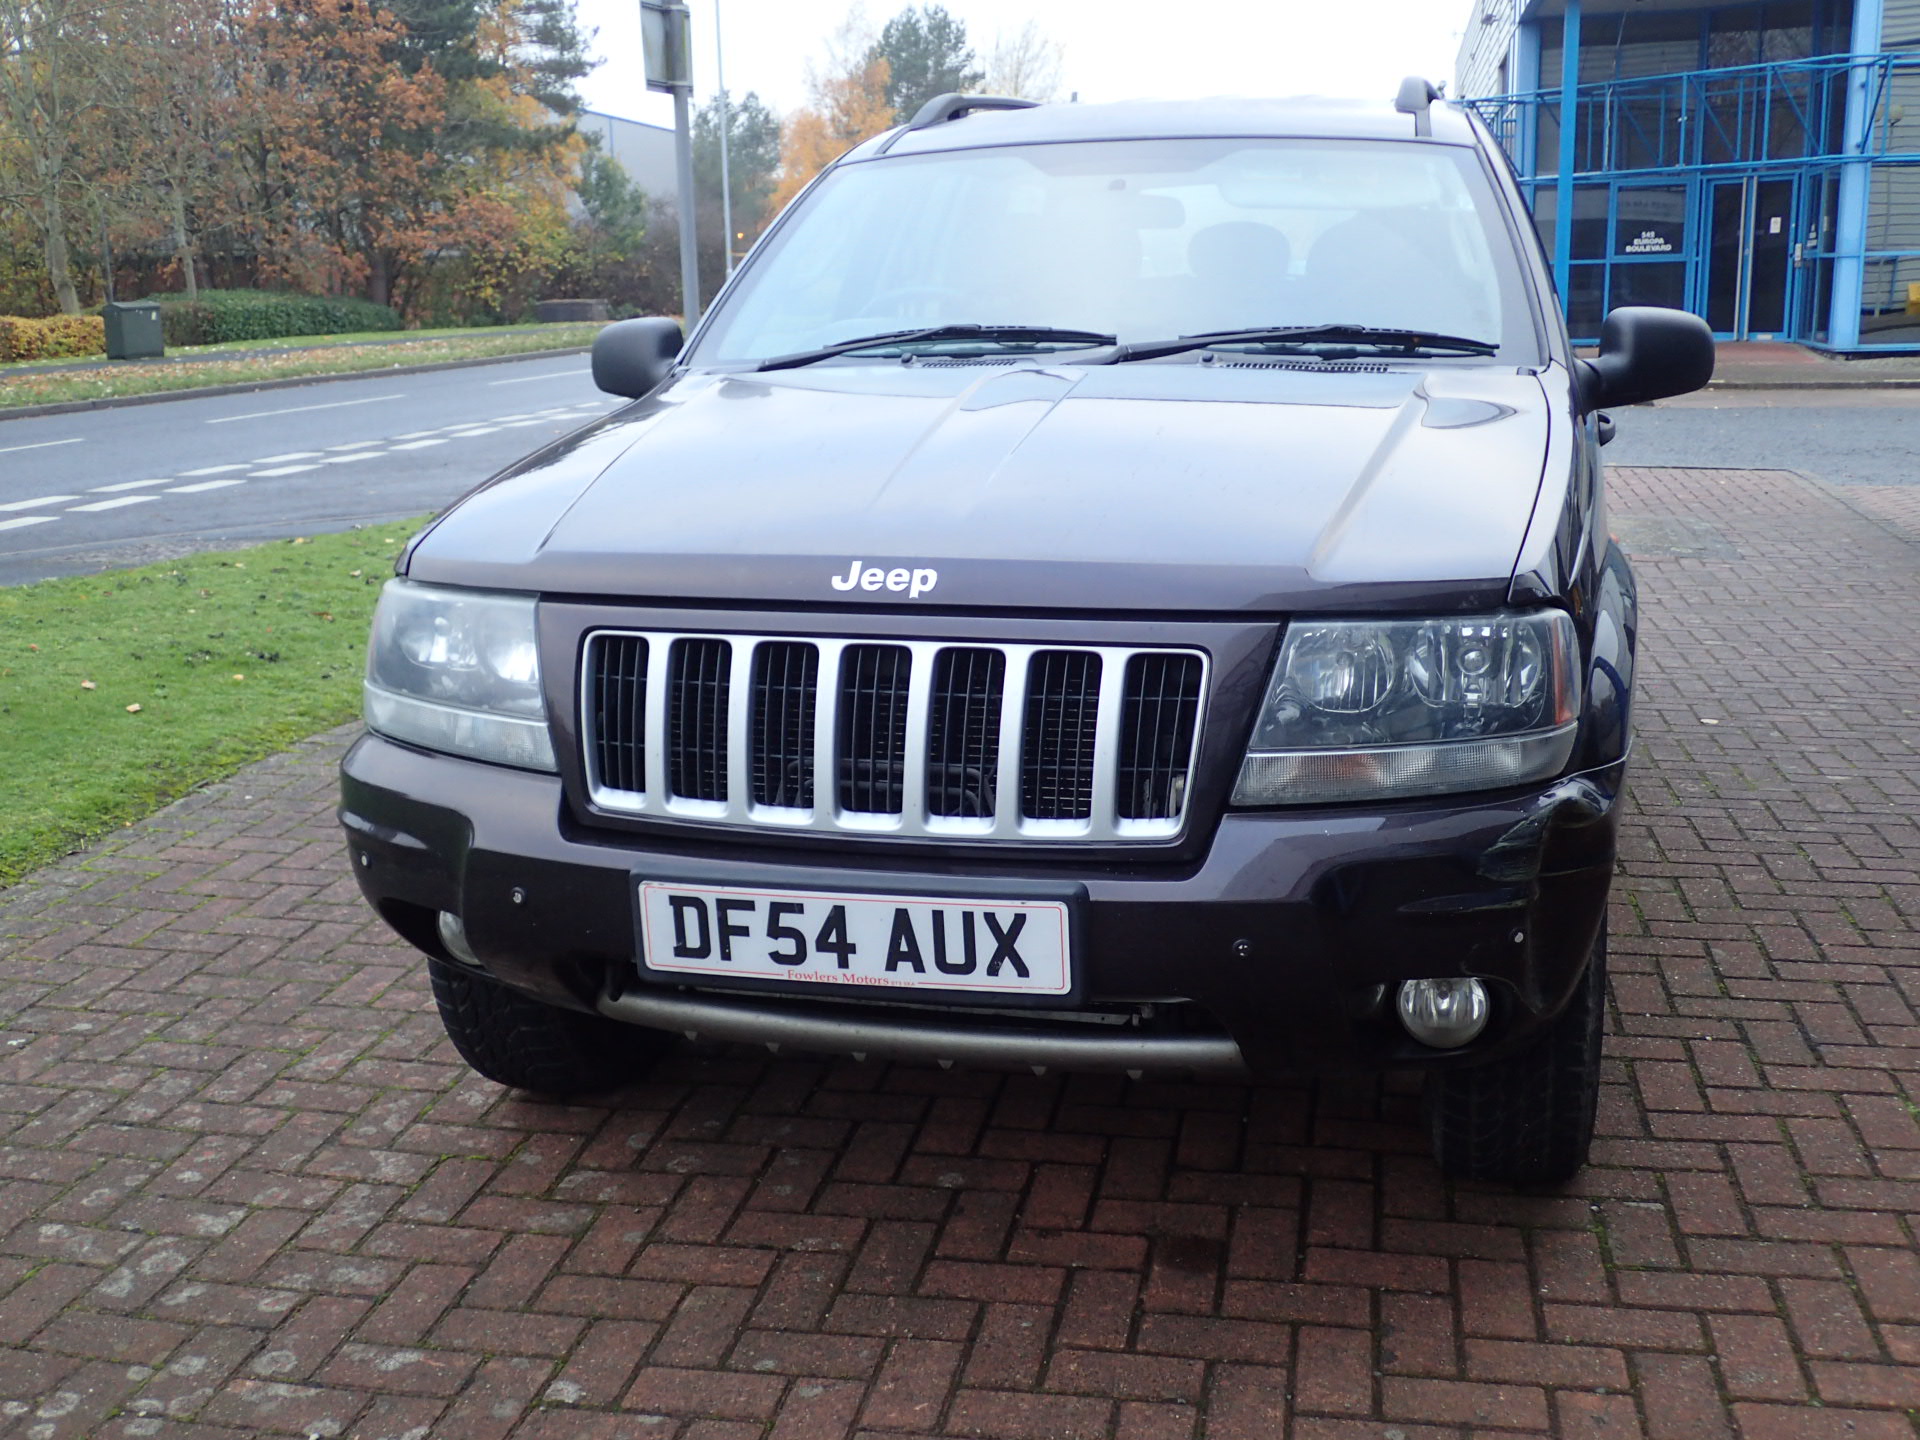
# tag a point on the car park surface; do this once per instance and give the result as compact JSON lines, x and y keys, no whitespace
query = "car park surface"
{"x":251,"y":1190}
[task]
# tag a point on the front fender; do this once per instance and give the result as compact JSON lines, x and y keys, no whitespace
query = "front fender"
{"x":1606,"y":725}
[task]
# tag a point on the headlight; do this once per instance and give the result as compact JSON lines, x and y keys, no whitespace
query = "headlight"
{"x":458,"y":670}
{"x":1379,"y":709}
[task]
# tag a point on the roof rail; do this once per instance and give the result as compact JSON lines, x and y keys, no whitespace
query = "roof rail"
{"x":951,"y":106}
{"x":1416,"y":98}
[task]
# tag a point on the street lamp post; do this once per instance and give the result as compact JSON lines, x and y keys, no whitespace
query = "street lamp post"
{"x":665,"y":27}
{"x":726,"y":136}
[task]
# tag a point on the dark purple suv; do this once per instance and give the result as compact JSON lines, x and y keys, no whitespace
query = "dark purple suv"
{"x":1104,"y":587}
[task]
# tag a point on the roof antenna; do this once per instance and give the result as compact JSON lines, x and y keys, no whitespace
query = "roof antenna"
{"x":1416,"y":98}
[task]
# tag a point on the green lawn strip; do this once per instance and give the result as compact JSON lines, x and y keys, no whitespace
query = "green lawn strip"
{"x":229,"y":656}
{"x":26,"y":386}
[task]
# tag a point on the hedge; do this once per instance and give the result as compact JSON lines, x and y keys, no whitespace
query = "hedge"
{"x":55,"y":338}
{"x":218,"y":316}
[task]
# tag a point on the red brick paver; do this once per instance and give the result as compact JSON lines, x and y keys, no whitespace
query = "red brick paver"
{"x":247,"y":1189}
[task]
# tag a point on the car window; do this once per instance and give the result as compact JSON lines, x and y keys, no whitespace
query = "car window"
{"x":1143,"y":239}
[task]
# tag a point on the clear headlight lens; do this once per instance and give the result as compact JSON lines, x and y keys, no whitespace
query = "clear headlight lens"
{"x":458,"y":670}
{"x":1372,"y":709}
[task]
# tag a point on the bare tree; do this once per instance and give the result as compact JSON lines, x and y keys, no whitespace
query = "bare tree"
{"x":1025,"y":63}
{"x":55,"y":63}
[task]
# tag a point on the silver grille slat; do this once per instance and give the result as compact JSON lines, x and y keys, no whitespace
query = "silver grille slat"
{"x":1106,"y":821}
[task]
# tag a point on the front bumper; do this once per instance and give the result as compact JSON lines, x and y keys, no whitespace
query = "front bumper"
{"x":1276,"y":952}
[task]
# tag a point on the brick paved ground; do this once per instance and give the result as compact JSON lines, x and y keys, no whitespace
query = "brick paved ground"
{"x":247,"y":1189}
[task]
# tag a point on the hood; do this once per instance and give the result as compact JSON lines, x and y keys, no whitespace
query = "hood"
{"x":1219,"y":487}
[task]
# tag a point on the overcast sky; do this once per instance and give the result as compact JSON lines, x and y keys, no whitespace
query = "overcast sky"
{"x":1113,"y":49}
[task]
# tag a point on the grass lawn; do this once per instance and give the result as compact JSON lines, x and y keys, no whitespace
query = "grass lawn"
{"x":122,"y":691}
{"x":30,"y":384}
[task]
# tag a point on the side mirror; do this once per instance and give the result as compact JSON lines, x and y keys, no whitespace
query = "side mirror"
{"x":1646,"y":353}
{"x":631,"y":357}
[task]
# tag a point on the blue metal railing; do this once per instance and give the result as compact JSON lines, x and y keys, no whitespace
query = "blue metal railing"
{"x":1786,"y":111}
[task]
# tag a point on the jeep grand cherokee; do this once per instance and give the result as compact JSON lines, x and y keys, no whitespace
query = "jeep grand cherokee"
{"x":1112,"y":586}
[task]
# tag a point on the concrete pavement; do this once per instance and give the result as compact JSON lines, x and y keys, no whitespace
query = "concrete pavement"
{"x":249,"y":1189}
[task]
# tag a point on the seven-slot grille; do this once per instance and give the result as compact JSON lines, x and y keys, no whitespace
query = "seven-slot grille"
{"x":920,"y":738}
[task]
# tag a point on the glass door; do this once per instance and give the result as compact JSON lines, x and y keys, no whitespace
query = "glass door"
{"x":1750,"y":256}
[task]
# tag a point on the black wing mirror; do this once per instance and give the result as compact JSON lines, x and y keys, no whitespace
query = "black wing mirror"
{"x":631,"y":357}
{"x":1646,"y":353}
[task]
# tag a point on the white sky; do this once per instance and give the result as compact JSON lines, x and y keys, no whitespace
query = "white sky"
{"x":1113,"y":49}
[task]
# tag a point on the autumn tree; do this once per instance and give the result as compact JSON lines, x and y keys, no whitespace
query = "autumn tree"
{"x":1024,"y":64}
{"x":344,"y":166}
{"x":926,"y":54}
{"x":173,"y":141}
{"x":57,"y":78}
{"x":847,"y":103}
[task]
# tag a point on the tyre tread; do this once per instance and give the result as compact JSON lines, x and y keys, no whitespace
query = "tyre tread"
{"x":1527,"y":1119}
{"x":519,"y":1042}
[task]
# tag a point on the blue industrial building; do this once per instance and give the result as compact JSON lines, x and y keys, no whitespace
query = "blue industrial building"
{"x":1756,"y":163}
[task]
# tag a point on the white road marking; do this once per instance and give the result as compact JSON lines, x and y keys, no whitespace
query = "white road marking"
{"x":481,"y":430}
{"x":415,"y":434}
{"x":283,"y":470}
{"x":301,"y":409}
{"x":213,"y":470}
{"x":283,"y":459}
{"x":26,"y":520}
{"x":349,"y":459}
{"x":555,"y":375}
{"x":522,"y":424}
{"x":37,"y":503}
{"x":113,"y":504}
{"x":357,"y":445}
{"x":203,"y":485}
{"x":129,"y":485}
{"x":42,"y":445}
{"x":417,"y":444}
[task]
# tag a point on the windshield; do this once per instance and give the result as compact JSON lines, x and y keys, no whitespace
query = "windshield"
{"x":1142,"y":239}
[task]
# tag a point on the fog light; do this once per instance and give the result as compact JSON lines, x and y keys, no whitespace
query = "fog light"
{"x":453,"y":935}
{"x":1444,"y":1013}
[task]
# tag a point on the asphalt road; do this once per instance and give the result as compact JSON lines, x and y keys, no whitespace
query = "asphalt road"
{"x":100,"y":489}
{"x":106,"y":488}
{"x":1845,"y":437}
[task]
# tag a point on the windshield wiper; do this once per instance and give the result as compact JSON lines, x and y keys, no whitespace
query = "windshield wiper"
{"x":1010,"y":334}
{"x":1410,"y":341}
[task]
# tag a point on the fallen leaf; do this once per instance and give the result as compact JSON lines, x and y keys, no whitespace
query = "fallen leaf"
{"x":299,"y":539}
{"x":88,"y":685}
{"x":354,"y":573}
{"x":239,"y":677}
{"x":33,"y":647}
{"x":133,"y":709}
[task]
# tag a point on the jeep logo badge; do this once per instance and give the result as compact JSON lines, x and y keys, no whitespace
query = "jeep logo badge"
{"x":862,"y":576}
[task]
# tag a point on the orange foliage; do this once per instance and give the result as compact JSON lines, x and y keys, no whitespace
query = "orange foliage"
{"x":848,"y":104}
{"x":347,"y":195}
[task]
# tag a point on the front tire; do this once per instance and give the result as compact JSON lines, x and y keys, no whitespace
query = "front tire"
{"x":517,"y":1041}
{"x":1527,"y":1119}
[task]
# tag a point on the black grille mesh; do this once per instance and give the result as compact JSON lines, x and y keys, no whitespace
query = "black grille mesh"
{"x":1154,"y":728}
{"x":1056,"y":761}
{"x":873,"y":728}
{"x":1160,"y":704}
{"x":784,"y":675}
{"x":697,"y":686}
{"x":620,"y":711}
{"x":963,"y":733}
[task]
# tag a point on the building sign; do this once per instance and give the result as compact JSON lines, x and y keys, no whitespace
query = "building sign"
{"x":1650,"y":220}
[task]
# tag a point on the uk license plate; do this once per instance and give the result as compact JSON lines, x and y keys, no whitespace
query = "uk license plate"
{"x":912,"y":942}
